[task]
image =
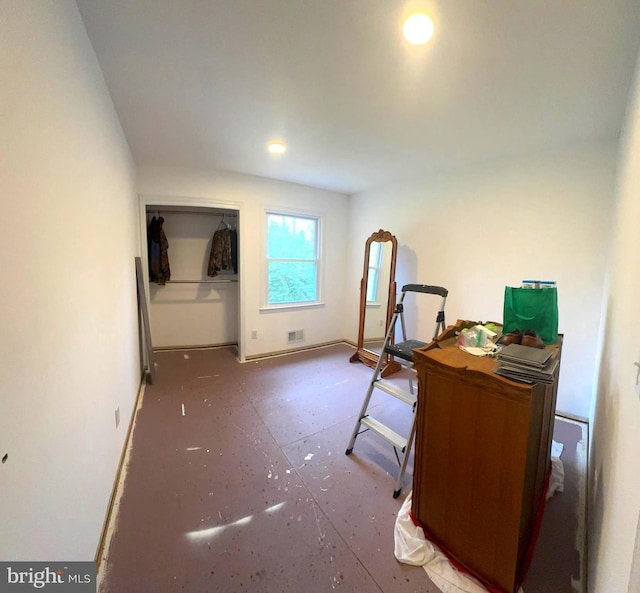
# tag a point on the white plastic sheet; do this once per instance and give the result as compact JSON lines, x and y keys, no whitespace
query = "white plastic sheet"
{"x":412,"y":547}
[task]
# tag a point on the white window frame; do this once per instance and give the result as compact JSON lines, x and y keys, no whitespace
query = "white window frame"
{"x":266,"y":306}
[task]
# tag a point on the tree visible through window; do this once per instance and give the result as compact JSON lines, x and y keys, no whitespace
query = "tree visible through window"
{"x":292,"y":259}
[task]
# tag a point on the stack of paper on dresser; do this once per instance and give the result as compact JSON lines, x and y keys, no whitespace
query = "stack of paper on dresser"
{"x":526,"y":364}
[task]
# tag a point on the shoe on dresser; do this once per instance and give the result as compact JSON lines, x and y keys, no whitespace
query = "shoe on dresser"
{"x":532,"y":339}
{"x":513,"y":337}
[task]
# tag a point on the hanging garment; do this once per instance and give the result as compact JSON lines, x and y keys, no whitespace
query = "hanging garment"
{"x":220,"y":256}
{"x":153,"y":250}
{"x":234,"y":250}
{"x":159,"y":270}
{"x":165,"y":271}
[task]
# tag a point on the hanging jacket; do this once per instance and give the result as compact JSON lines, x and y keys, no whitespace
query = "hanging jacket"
{"x":220,"y":255}
{"x":234,"y":250}
{"x":153,"y":250}
{"x":159,"y":270}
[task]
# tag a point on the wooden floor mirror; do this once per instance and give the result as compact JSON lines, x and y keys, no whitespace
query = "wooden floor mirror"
{"x":377,"y":299}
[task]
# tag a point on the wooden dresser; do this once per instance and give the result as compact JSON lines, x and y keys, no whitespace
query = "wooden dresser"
{"x":483,"y":447}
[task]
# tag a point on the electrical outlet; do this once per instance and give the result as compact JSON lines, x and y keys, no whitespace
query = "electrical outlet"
{"x":117,"y":416}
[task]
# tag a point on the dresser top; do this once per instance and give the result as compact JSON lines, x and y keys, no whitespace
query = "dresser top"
{"x":445,"y":353}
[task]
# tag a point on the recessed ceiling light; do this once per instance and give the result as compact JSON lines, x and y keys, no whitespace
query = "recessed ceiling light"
{"x":418,"y":29}
{"x":277,"y":147}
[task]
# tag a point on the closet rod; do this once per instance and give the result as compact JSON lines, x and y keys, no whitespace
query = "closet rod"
{"x":200,"y":281}
{"x":154,"y":211}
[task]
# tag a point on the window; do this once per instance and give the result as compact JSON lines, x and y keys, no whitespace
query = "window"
{"x":292,"y":258}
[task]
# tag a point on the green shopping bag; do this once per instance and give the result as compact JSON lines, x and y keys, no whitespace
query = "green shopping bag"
{"x":531,"y":308}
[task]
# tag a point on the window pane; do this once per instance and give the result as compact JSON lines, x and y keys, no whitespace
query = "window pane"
{"x":374,"y":254}
{"x":292,"y":282}
{"x":290,"y":237}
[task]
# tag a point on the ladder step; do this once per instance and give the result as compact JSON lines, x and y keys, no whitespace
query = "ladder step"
{"x":404,"y":349}
{"x":385,"y":432}
{"x":406,"y":396}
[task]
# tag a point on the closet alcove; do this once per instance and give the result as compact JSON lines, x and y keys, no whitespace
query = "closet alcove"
{"x":193,"y":309}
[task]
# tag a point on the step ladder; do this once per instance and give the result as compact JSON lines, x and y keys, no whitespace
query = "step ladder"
{"x":403,"y":353}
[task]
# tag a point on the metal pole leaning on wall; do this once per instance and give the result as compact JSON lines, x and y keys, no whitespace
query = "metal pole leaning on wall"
{"x":142,"y":305}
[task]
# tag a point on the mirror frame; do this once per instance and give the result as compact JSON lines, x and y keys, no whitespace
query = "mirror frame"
{"x":369,"y":357}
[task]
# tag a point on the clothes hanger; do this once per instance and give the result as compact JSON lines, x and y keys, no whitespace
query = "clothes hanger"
{"x":224,"y":224}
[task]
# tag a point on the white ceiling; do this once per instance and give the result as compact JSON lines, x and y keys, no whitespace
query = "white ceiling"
{"x":207,"y":83}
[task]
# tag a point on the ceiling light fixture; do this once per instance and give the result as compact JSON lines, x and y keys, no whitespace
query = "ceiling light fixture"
{"x":418,"y":29}
{"x":277,"y":147}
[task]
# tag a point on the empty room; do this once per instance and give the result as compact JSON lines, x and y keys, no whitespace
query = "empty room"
{"x":212,"y":209}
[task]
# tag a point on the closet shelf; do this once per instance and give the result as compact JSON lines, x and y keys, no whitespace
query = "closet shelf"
{"x":155,"y":212}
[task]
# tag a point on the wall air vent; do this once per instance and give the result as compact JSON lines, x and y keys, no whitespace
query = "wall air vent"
{"x":297,"y":335}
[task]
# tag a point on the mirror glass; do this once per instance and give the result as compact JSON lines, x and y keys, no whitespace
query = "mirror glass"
{"x":377,"y":296}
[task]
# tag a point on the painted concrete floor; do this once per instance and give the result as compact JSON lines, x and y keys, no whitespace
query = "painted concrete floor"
{"x":236,"y":480}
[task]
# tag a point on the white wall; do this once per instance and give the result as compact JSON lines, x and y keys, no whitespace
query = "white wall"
{"x":546,"y":216}
{"x":69,"y":351}
{"x":615,"y":462}
{"x":193,"y":314}
{"x":252,"y":195}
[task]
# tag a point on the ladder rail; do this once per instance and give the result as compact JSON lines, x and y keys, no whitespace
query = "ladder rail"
{"x":440,"y":326}
{"x":405,"y":457}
